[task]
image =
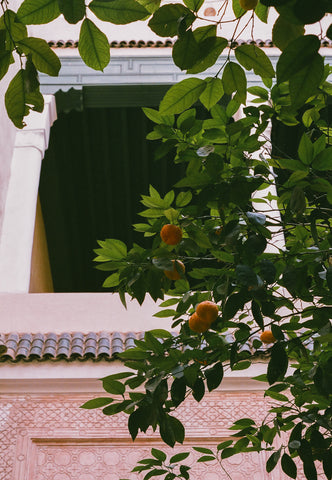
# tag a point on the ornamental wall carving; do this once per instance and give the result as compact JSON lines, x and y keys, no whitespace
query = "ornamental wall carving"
{"x":48,"y":437}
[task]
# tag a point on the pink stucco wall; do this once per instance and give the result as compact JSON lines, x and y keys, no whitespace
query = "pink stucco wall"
{"x":48,"y":437}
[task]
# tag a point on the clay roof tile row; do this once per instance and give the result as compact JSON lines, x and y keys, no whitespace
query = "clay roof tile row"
{"x":166,"y":43}
{"x":26,"y":347}
{"x":65,"y":346}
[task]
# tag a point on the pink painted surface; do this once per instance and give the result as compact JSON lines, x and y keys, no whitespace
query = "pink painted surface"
{"x":47,"y":437}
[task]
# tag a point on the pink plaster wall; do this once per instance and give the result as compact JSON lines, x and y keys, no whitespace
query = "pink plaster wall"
{"x":48,"y":437}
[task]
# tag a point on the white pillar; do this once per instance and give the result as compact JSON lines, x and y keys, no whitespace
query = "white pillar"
{"x":20,"y":209}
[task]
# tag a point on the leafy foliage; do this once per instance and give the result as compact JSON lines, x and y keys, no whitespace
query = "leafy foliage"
{"x":227,"y":239}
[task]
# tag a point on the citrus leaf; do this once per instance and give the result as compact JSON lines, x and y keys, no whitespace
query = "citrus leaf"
{"x":36,"y":12}
{"x":165,"y":21}
{"x":210,"y":49}
{"x":234,"y":80}
{"x":179,"y":457}
{"x":112,"y":281}
{"x":5,"y":61}
{"x":284,"y":32}
{"x":97,"y":402}
{"x":93,"y":46}
{"x":182,"y":95}
{"x":19,"y":101}
{"x":43,"y":57}
{"x":296,"y":56}
{"x":213,"y":92}
{"x":252,"y":57}
{"x":119,"y":12}
{"x":194,"y":5}
{"x":288,"y":466}
{"x":272,"y":461}
{"x":305,"y":83}
{"x":278,"y":363}
{"x":72,"y":10}
{"x":185,"y":51}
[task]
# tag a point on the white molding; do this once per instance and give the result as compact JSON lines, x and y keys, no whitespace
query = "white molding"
{"x":130,"y":66}
{"x":19,"y":216}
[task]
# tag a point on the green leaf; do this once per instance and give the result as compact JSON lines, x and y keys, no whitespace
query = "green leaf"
{"x":284,"y":32}
{"x":262,"y":12}
{"x":97,"y":402}
{"x":305,"y":83}
{"x":185,"y":51}
{"x":252,"y":57}
{"x":113,"y":386}
{"x":165,"y":313}
{"x":305,"y":150}
{"x":237,"y":9}
{"x":160,"y":333}
{"x":214,"y":376}
{"x":213,"y":92}
{"x":165,"y":21}
{"x":19,"y":101}
{"x":194,"y":5}
{"x":207,"y":451}
{"x":278,"y":363}
{"x":35,"y":12}
{"x":112,"y":281}
{"x":210,"y":50}
{"x":158,"y":454}
{"x":296,"y":56}
{"x":323,"y":161}
{"x":43,"y":57}
{"x":5,"y":61}
{"x":178,"y":390}
{"x":206,"y":458}
{"x":272,"y":461}
{"x":256,"y":311}
{"x":178,"y":457}
{"x":119,"y":12}
{"x":114,"y":249}
{"x":276,"y":396}
{"x":259,"y":92}
{"x":10,"y":23}
{"x":198,"y":389}
{"x":93,"y":46}
{"x":183,"y":198}
{"x":72,"y":10}
{"x":182,"y":95}
{"x":234,"y":80}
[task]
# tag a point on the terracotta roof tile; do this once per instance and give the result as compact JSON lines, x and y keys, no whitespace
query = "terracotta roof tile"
{"x":325,"y":42}
{"x":77,"y":346}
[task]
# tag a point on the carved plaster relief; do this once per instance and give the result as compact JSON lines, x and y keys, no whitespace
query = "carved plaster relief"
{"x":48,"y":437}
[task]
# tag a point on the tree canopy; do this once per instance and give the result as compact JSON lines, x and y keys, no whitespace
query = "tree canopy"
{"x":221,"y":269}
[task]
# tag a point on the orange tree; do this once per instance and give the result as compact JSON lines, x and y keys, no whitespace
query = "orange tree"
{"x":220,"y":254}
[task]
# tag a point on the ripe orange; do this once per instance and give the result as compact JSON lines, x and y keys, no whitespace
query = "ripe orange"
{"x":171,"y":234}
{"x":267,"y":337}
{"x":207,"y":311}
{"x":198,"y":324}
{"x":248,"y":4}
{"x":175,"y":274}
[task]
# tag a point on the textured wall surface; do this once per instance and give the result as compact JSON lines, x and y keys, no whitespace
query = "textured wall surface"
{"x":47,"y":437}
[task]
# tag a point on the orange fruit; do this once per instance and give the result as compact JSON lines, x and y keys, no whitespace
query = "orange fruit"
{"x":198,"y":324}
{"x":175,"y":274}
{"x":171,"y":234}
{"x":207,"y":311}
{"x":267,"y":337}
{"x":248,"y":4}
